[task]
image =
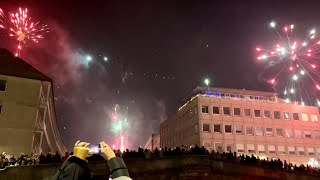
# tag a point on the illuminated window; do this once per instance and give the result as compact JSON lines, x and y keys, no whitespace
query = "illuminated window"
{"x":215,"y":110}
{"x":257,"y":113}
{"x":298,"y":133}
{"x":289,"y":133}
{"x":304,"y":117}
{"x":267,"y":114}
{"x":226,"y":111}
{"x":307,"y":134}
{"x":217,"y":128}
{"x":316,"y":134}
{"x":301,"y":151}
{"x":259,"y":131}
{"x":239,"y":129}
{"x":314,"y":118}
{"x":207,"y":145}
{"x":310,"y":151}
{"x":291,"y":150}
{"x":250,"y":148}
{"x":269,"y":132}
{"x":240,"y":148}
{"x":272,"y":149}
{"x":205,"y":109}
{"x":229,"y":147}
{"x":218,"y":147}
{"x":286,"y":115}
{"x":281,"y":150}
{"x":247,"y":112}
{"x":261,"y":149}
{"x":279,"y":131}
{"x":236,"y":111}
{"x":295,"y":116}
{"x":3,"y":85}
{"x":218,"y":94}
{"x":206,"y":127}
{"x":249,"y":130}
{"x":228,"y":129}
{"x":276,"y":114}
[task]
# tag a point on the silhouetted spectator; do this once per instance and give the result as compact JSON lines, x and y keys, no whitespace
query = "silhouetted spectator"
{"x":57,"y":158}
{"x":12,"y":160}
{"x":65,"y":157}
{"x":42,"y":159}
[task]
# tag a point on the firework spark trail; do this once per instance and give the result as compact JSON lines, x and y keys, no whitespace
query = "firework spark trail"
{"x":21,"y":28}
{"x":299,"y":58}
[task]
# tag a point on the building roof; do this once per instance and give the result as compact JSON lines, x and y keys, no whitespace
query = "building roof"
{"x":202,"y":90}
{"x":14,"y":66}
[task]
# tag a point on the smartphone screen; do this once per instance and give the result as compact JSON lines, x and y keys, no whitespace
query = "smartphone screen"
{"x":94,"y":149}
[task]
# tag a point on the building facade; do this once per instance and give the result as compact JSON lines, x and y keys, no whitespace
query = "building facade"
{"x":27,"y":114}
{"x":246,"y":122}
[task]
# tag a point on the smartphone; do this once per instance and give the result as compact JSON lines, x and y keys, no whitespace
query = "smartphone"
{"x":94,"y":149}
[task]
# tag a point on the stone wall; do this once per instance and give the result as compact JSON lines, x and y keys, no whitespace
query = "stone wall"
{"x":185,"y":167}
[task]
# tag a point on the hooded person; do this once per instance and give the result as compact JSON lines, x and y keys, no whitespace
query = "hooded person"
{"x":76,"y":166}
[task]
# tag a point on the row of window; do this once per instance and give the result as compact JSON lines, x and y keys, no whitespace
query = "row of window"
{"x":261,"y":131}
{"x":257,"y":113}
{"x":3,"y":85}
{"x":264,"y":149}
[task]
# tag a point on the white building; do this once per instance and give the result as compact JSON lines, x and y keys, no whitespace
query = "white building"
{"x":249,"y":122}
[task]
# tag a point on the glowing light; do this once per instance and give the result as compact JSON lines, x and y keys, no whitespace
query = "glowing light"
{"x":258,"y":49}
{"x":207,"y":81}
{"x":292,"y":26}
{"x":285,"y":92}
{"x":272,"y":81}
{"x":264,"y":56}
{"x":302,"y":72}
{"x":302,"y":103}
{"x":304,"y":44}
{"x":313,"y":163}
{"x":311,"y":37}
{"x":318,"y":42}
{"x":105,"y":58}
{"x":318,"y":102}
{"x":285,"y":28}
{"x":287,"y":100}
{"x":312,"y":31}
{"x":291,"y":68}
{"x":309,"y":50}
{"x":313,"y":66}
{"x":318,"y":87}
{"x":309,"y":54}
{"x":272,"y":52}
{"x":272,"y":24}
{"x":89,"y":58}
{"x":291,"y":90}
{"x":295,"y":77}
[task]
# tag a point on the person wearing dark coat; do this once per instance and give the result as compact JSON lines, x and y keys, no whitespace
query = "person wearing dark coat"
{"x":76,"y":166}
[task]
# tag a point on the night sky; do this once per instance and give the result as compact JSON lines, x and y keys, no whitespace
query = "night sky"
{"x":157,"y":51}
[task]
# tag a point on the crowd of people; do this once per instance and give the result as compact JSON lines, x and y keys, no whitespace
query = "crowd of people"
{"x":160,"y":153}
{"x":33,"y":159}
